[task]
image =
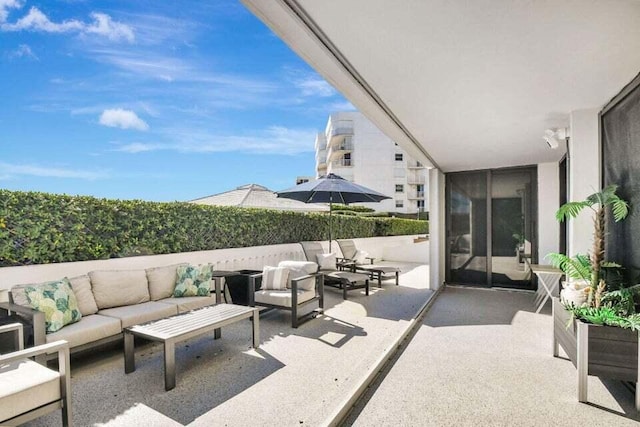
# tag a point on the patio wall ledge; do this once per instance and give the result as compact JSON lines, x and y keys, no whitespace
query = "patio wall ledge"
{"x":254,"y":257}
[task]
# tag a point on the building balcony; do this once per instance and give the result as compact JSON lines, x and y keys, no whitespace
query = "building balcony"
{"x":415,"y":195}
{"x":321,"y":155}
{"x":342,"y":163}
{"x":335,"y":134}
{"x":414,"y":164}
{"x":337,"y":150}
{"x":321,"y":142}
{"x":415,"y":179}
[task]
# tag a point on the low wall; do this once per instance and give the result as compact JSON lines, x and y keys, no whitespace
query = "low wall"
{"x":254,"y":257}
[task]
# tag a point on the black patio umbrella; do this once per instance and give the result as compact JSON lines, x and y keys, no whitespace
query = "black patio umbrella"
{"x":331,"y":189}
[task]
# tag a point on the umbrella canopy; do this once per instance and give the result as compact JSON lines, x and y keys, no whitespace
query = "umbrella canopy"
{"x":332,"y":189}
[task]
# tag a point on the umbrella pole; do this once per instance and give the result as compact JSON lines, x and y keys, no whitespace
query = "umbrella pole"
{"x":330,"y":220}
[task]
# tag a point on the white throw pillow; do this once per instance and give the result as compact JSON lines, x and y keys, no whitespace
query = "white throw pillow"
{"x":361,"y":257}
{"x":275,"y":278}
{"x":326,"y":261}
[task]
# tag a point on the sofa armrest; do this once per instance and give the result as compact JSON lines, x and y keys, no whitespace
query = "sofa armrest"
{"x":34,"y":317}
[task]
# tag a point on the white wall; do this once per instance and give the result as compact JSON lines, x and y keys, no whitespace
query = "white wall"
{"x":584,"y":174}
{"x":254,"y":257}
{"x":548,"y":203}
{"x":437,"y":231}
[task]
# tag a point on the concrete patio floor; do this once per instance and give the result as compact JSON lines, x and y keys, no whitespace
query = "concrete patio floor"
{"x":296,"y":377}
{"x":483,"y":358}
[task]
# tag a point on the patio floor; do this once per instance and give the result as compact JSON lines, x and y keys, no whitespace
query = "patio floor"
{"x":482,"y":357}
{"x":296,"y":377}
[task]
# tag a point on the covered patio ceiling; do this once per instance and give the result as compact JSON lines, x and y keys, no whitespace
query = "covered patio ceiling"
{"x":466,"y":84}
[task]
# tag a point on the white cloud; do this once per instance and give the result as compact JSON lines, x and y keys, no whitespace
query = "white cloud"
{"x":36,"y":20}
{"x":313,"y":86}
{"x":105,"y":26}
{"x":23,"y":51}
{"x":5,"y":5}
{"x":124,"y":119}
{"x":272,"y":140}
{"x":8,"y":170}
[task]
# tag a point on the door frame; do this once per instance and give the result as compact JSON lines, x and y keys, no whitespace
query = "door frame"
{"x":534,"y":222}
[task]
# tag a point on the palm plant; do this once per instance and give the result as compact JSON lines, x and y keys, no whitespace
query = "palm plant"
{"x":581,"y":267}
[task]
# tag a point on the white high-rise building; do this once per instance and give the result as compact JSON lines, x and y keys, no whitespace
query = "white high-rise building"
{"x":354,"y":148}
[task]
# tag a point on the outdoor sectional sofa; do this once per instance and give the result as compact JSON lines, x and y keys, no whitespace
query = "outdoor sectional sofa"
{"x":110,"y":301}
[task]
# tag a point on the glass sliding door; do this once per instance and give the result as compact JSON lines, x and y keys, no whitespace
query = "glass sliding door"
{"x":467,"y":225}
{"x":491,"y":227}
{"x":512,"y":226}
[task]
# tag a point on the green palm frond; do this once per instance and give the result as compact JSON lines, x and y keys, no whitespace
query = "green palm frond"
{"x":578,"y":267}
{"x":620,"y":208}
{"x":571,"y":210}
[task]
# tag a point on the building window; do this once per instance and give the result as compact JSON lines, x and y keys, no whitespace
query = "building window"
{"x":399,"y":188}
{"x":420,"y":204}
{"x":346,"y":160}
{"x":399,"y":157}
{"x":399,"y":203}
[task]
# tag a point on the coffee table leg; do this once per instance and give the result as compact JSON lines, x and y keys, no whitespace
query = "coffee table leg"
{"x":129,"y":353}
{"x":379,"y":279}
{"x":169,"y":365}
{"x":256,"y":329}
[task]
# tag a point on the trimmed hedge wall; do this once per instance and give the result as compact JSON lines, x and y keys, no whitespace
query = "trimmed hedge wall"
{"x":41,"y":228}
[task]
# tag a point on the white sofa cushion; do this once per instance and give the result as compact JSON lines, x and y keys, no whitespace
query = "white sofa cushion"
{"x":116,"y":288}
{"x":140,"y":313}
{"x":162,"y":281}
{"x":301,"y":268}
{"x":282,"y":298}
{"x":81,"y":286}
{"x":326,"y":261}
{"x":26,"y":385}
{"x":91,"y":328}
{"x":185,"y":304}
{"x":275,"y":278}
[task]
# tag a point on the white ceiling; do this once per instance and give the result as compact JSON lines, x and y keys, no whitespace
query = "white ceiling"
{"x":473,"y":84}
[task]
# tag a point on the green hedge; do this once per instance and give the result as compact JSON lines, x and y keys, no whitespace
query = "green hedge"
{"x":40,"y":228}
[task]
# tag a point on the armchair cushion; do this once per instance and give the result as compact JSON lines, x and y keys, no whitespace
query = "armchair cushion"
{"x":282,"y":298}
{"x":81,"y":286}
{"x":116,"y":288}
{"x":302,"y":268}
{"x":57,"y":301}
{"x":26,"y":385}
{"x":275,"y":278}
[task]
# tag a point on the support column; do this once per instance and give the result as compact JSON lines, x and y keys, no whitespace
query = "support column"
{"x":584,"y":175}
{"x":437,"y":230}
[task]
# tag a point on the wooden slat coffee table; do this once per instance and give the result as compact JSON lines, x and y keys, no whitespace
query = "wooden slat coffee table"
{"x":184,"y":326}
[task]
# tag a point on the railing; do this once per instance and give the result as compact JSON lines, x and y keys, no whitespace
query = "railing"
{"x":415,"y":179}
{"x":346,"y":145}
{"x":413,"y":164}
{"x":321,"y":155}
{"x":415,"y":195}
{"x":342,"y":130}
{"x":342,"y":163}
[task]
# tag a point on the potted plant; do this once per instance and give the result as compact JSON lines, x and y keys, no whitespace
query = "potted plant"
{"x":595,"y":321}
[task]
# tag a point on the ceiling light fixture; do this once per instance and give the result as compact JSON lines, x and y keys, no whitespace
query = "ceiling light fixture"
{"x":553,"y":137}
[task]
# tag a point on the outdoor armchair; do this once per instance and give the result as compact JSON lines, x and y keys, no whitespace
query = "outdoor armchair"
{"x":361,"y":262}
{"x":304,"y":287}
{"x":334,"y":274}
{"x":29,"y":389}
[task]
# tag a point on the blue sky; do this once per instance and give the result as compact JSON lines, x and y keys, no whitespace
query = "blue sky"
{"x":152,"y":100}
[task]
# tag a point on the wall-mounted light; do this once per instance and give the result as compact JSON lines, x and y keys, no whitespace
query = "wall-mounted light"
{"x":553,"y":137}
